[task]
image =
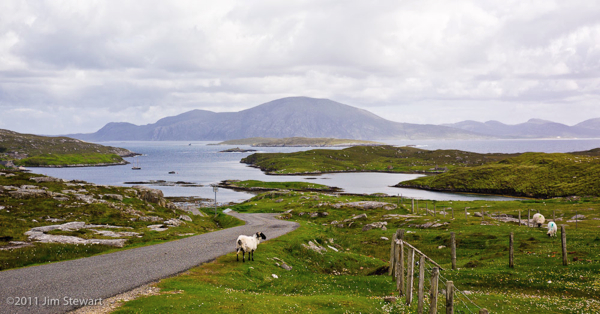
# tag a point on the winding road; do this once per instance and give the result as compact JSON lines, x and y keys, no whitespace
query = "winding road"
{"x":53,"y":288}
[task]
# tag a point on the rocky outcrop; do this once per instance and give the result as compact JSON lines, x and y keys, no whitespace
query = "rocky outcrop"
{"x":378,"y":225}
{"x":39,"y":234}
{"x":365,"y":205}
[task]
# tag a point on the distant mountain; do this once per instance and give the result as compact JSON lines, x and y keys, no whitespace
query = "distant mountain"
{"x":592,"y":124}
{"x":534,"y":128}
{"x":286,"y":117}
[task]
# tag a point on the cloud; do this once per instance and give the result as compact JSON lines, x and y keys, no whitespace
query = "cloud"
{"x":83,"y":64}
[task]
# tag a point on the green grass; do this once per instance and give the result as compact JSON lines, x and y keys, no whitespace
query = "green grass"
{"x":354,"y":279}
{"x":20,"y":215}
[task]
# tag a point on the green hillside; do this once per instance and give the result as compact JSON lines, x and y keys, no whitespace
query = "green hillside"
{"x":531,"y":174}
{"x":35,"y":150}
{"x":372,"y":158}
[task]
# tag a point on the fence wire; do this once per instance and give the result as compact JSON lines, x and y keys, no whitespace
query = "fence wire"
{"x":462,"y":303}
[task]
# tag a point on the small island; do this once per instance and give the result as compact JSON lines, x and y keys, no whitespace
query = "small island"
{"x":261,"y":186}
{"x":299,"y":142}
{"x":237,"y":150}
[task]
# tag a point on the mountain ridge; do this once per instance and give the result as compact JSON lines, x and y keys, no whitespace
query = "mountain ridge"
{"x":286,"y":117}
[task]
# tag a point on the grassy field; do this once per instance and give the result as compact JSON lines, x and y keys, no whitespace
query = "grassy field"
{"x":34,"y":150}
{"x":66,"y":202}
{"x":350,"y":275}
{"x":376,"y":158}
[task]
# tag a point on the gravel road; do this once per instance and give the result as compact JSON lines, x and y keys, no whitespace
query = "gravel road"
{"x":56,"y":287}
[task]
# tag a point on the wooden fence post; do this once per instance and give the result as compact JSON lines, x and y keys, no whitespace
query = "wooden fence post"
{"x":392,"y":256}
{"x":433,"y":293}
{"x":400,"y":270}
{"x":511,"y":251}
{"x":452,"y":212}
{"x":412,"y":207}
{"x":519,"y":217}
{"x":449,"y":297}
{"x":421,"y":284}
{"x":563,"y":237}
{"x":453,"y":249}
{"x":410,"y":276}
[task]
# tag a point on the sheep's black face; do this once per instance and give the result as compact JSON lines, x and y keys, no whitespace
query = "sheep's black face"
{"x":261,"y":235}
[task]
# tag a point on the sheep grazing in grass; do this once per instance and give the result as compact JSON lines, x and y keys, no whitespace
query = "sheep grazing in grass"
{"x":552,"y":228}
{"x":538,"y":219}
{"x":248,"y":244}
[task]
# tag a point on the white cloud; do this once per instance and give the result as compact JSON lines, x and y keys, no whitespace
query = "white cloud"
{"x":83,"y":64}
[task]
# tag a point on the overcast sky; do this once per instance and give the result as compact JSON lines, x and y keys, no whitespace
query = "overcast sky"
{"x":73,"y":66}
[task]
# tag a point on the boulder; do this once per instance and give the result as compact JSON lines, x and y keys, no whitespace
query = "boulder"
{"x":117,"y":197}
{"x":185,"y":217}
{"x":151,"y":195}
{"x":29,"y":193}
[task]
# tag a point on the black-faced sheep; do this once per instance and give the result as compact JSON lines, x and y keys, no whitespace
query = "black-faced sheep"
{"x":538,"y":219}
{"x":248,"y":244}
{"x":552,"y":228}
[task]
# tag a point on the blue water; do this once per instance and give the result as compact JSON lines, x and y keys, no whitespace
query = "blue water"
{"x":203,"y":164}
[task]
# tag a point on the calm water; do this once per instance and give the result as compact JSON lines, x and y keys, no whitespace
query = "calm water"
{"x":203,"y":164}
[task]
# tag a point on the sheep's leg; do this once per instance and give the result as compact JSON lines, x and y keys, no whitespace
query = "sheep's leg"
{"x":237,"y":252}
{"x":243,"y":256}
{"x":252,"y":252}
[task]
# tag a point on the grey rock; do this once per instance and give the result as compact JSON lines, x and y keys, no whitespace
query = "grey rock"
{"x":379,"y":225}
{"x":185,"y":217}
{"x":361,"y":216}
{"x":117,"y":197}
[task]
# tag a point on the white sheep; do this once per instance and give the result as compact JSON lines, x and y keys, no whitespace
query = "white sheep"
{"x":552,"y":228}
{"x":538,"y":219}
{"x":248,"y":244}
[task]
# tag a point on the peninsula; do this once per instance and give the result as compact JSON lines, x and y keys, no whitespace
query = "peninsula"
{"x":299,"y":142}
{"x":18,"y":149}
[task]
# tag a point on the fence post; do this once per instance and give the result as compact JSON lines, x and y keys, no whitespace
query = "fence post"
{"x":449,"y":297}
{"x":393,"y":255}
{"x":529,"y":218}
{"x":434,"y":210}
{"x":433,"y":293}
{"x":482,"y":214}
{"x":412,"y":207}
{"x":400,"y":270}
{"x":410,"y":276}
{"x":511,"y":252}
{"x":452,"y":212}
{"x":453,"y":249}
{"x":519,"y":217}
{"x":576,"y":218}
{"x":418,"y":208}
{"x":421,"y":283}
{"x":563,"y":237}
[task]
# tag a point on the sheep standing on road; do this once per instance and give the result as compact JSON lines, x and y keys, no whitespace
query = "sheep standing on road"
{"x":538,"y":219}
{"x":552,"y":228}
{"x":248,"y":244}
